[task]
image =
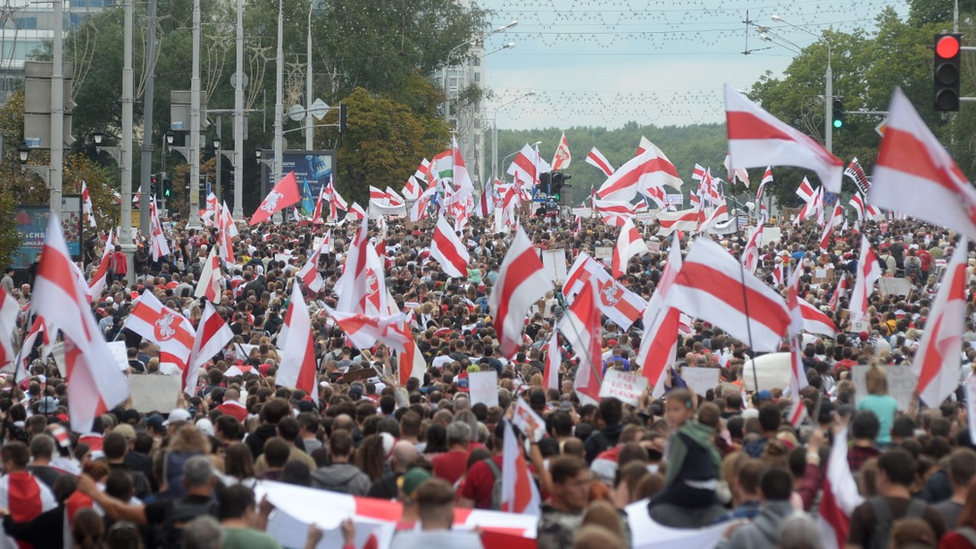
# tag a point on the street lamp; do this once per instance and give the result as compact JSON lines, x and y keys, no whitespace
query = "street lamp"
{"x":494,"y":132}
{"x":43,"y":171}
{"x":447,"y":92}
{"x":115,"y":152}
{"x":508,"y":46}
{"x":829,"y":87}
{"x":24,"y":152}
{"x":169,"y":138}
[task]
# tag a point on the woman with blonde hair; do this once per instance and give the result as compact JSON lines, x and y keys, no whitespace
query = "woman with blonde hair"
{"x":879,"y":402}
{"x":185,"y":443}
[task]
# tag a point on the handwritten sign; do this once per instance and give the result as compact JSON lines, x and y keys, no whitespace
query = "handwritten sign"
{"x":971,"y":406}
{"x":901,"y":383}
{"x":554,"y":264}
{"x":484,"y":387}
{"x":646,"y":218}
{"x":700,"y":379}
{"x":530,"y":422}
{"x":894,"y":286}
{"x":860,"y":326}
{"x":654,"y":245}
{"x":120,"y":354}
{"x":603,"y":252}
{"x":154,"y":393}
{"x":621,"y":385}
{"x":582,"y":212}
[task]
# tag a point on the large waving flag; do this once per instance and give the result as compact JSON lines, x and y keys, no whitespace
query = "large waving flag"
{"x":868,"y":272}
{"x":713,"y":287}
{"x":840,"y":496}
{"x":519,"y":493}
{"x":681,"y":220}
{"x":210,"y":277}
{"x":168,"y":329}
{"x":649,"y":169}
{"x":95,"y":383}
{"x":448,"y":250}
{"x":916,"y":176}
{"x":758,"y":139}
{"x":629,"y":245}
{"x":284,"y":194}
{"x":364,"y":330}
{"x":580,"y":326}
{"x":621,"y":305}
{"x":561,"y":158}
{"x":526,"y":166}
{"x":521,"y":282}
{"x":298,"y":366}
{"x":596,"y":159}
{"x":97,"y":285}
{"x":660,"y":343}
{"x":351,"y":287}
{"x":750,"y":254}
{"x":213,"y":334}
{"x":937,"y":361}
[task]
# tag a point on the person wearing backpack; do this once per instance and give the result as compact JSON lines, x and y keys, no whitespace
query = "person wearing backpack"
{"x":482,"y":487}
{"x":871,"y":521}
{"x":171,"y":516}
{"x":611,"y":413}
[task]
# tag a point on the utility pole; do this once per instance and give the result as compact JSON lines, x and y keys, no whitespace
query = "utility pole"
{"x":193,"y":222}
{"x":55,"y":177}
{"x":147,"y":120}
{"x":128,"y":247}
{"x":239,"y":118}
{"x":279,"y":106}
{"x":309,"y":131}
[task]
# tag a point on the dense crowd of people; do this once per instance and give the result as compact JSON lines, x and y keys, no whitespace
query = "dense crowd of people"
{"x":187,"y":476}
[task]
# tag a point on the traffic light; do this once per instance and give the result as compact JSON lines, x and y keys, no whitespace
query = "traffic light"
{"x":153,"y":184}
{"x":838,"y":116}
{"x":545,"y":182}
{"x":558,"y":182}
{"x":946,"y":71}
{"x":167,"y":188}
{"x":342,"y":118}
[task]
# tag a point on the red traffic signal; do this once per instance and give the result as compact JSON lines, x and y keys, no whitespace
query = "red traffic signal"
{"x":947,"y":46}
{"x":946,"y":76}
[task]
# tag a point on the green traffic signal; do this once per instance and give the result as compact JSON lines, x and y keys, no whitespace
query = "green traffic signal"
{"x":838,"y":123}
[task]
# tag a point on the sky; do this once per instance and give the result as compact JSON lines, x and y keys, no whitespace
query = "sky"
{"x":661,"y":62}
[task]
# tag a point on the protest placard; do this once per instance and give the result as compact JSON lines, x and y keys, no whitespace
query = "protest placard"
{"x":603,"y":252}
{"x":154,"y":393}
{"x":626,"y":387}
{"x":554,"y":263}
{"x":120,"y":354}
{"x":901,"y":383}
{"x":700,"y":380}
{"x":529,"y":422}
{"x":971,"y":406}
{"x":484,"y":387}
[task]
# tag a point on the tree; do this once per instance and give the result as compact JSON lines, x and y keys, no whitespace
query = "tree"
{"x":383,"y":143}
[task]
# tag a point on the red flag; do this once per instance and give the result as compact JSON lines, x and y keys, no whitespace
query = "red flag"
{"x":95,"y":384}
{"x":937,"y":361}
{"x":916,"y":176}
{"x":562,"y":158}
{"x":521,"y":282}
{"x":298,"y":366}
{"x":713,"y":287}
{"x":284,"y":194}
{"x":758,"y":139}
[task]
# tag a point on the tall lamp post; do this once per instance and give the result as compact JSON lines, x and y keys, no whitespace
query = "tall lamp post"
{"x":450,"y":54}
{"x":494,"y":132}
{"x":828,"y":76}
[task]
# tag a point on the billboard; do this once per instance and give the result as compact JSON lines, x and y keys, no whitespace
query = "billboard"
{"x":32,"y":226}
{"x":311,"y":167}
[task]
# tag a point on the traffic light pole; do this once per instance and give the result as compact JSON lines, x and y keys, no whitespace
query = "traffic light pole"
{"x":828,"y":104}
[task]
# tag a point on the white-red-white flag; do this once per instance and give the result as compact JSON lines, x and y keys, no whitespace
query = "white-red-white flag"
{"x":284,"y":194}
{"x":95,"y":384}
{"x":619,"y":304}
{"x":720,"y":214}
{"x":561,"y":158}
{"x":596,"y":159}
{"x":713,"y":287}
{"x":526,"y":167}
{"x":419,"y":209}
{"x":629,"y":245}
{"x":733,"y":174}
{"x":213,"y":334}
{"x":97,"y":285}
{"x":750,"y":254}
{"x":805,"y":190}
{"x":210,"y":277}
{"x":355,"y":213}
{"x":521,"y":282}
{"x":681,"y":220}
{"x":9,"y":308}
{"x":157,"y":240}
{"x":915,"y":175}
{"x":840,"y":496}
{"x":554,"y":359}
{"x":309,"y":273}
{"x":351,"y":286}
{"x":758,"y":139}
{"x":580,"y":327}
{"x":462,"y":179}
{"x":86,"y":204}
{"x":649,"y":169}
{"x":937,"y":360}
{"x":19,"y":366}
{"x":365,"y":330}
{"x":519,"y":493}
{"x":766,"y":179}
{"x":448,"y":250}
{"x":168,"y":329}
{"x":659,"y":345}
{"x":868,"y":272}
{"x":298,"y":366}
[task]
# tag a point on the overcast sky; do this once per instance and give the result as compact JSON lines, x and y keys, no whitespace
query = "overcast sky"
{"x":607,"y":62}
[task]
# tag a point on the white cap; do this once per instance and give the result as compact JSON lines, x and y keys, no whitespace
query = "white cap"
{"x":179,"y":414}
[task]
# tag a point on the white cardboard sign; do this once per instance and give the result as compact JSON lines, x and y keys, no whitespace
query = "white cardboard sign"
{"x":626,"y":387}
{"x":484,"y":387}
{"x":530,"y":422}
{"x":154,"y":392}
{"x":554,"y":263}
{"x":700,"y":379}
{"x":603,"y":252}
{"x":971,"y":406}
{"x":120,"y":354}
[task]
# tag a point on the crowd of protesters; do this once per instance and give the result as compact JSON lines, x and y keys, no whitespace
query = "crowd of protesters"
{"x":186,"y":476}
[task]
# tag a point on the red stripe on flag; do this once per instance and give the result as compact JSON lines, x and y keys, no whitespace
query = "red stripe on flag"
{"x":904,"y":152}
{"x":520,"y":269}
{"x":729,"y":290}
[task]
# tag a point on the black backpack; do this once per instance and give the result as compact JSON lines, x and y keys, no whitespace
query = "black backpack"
{"x":181,"y":512}
{"x":883,"y":519}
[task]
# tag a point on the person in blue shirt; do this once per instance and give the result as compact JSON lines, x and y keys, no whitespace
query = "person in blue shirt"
{"x":617,"y":356}
{"x":879,"y":402}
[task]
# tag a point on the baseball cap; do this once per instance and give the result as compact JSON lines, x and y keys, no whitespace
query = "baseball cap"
{"x":411,"y":480}
{"x":126,"y":430}
{"x":205,"y":426}
{"x":765,"y":395}
{"x":179,"y":414}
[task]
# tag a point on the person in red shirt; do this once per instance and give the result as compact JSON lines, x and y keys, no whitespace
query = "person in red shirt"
{"x":119,"y":265}
{"x":926,"y":258}
{"x":480,"y":481}
{"x":451,"y":465}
